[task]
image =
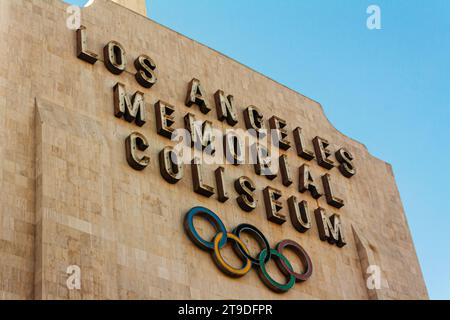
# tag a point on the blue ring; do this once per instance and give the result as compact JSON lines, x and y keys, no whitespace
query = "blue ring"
{"x":213,"y":219}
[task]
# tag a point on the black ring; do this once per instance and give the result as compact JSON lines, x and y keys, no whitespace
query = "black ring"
{"x":260,"y":238}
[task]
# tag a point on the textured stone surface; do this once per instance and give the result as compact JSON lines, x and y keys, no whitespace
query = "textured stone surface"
{"x":135,"y":5}
{"x":69,"y":197}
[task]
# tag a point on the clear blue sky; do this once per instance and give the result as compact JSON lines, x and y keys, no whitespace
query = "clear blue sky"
{"x":394,"y":83}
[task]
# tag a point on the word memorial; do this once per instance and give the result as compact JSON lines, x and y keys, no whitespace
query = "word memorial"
{"x":267,"y":141}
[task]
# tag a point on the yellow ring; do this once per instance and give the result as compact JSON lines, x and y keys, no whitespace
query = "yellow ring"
{"x":222,"y":264}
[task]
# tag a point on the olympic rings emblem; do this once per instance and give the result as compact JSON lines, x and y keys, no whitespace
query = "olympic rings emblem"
{"x":222,"y":237}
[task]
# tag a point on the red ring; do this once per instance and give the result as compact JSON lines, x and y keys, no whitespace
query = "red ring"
{"x":304,"y":257}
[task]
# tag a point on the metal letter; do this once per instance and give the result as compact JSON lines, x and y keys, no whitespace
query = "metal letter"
{"x":322,"y":153}
{"x":170,"y":165}
{"x":254,"y":121}
{"x":82,"y":52}
{"x":196,"y":96}
{"x":330,"y":228}
{"x":273,"y":205}
{"x":197,"y":179}
{"x":233,"y":148}
{"x":279,"y":133}
{"x":132,"y":109}
{"x":115,"y":57}
{"x":300,"y":145}
{"x":331,"y":199}
{"x":221,"y":189}
{"x":134,"y":142}
{"x":346,"y":167}
{"x":306,"y":182}
{"x":145,"y":74}
{"x":299,"y":213}
{"x":225,"y":108}
{"x":245,"y":187}
{"x":164,"y":119}
{"x":286,"y":176}
{"x":202,"y":136}
{"x":263,"y":162}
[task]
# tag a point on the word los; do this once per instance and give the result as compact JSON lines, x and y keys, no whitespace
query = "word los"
{"x":132,"y":108}
{"x":259,"y":262}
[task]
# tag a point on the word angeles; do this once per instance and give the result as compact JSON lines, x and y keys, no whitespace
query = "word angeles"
{"x":267,"y":143}
{"x":259,"y":262}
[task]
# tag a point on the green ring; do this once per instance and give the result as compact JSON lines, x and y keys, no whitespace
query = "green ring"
{"x":267,"y":279}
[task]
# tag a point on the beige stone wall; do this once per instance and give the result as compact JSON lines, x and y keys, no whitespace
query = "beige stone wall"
{"x":138,"y":6}
{"x":69,"y":197}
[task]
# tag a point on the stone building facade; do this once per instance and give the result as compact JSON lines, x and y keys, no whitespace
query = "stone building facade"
{"x":71,"y":197}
